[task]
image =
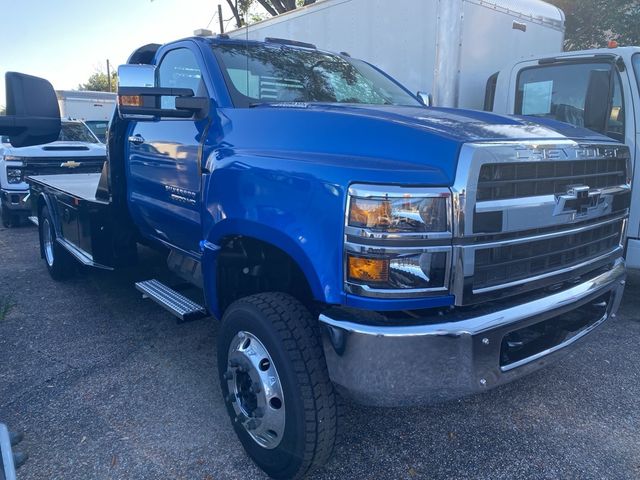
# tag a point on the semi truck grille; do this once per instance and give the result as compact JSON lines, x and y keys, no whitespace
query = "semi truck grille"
{"x":499,"y":181}
{"x":500,"y":265}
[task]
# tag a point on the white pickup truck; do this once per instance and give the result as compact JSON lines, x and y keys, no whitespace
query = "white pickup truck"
{"x":77,"y":150}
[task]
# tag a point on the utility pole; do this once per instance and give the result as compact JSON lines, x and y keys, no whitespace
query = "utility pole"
{"x":108,"y":75}
{"x":220,"y":19}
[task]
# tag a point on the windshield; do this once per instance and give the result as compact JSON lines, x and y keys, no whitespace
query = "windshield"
{"x":258,"y":74}
{"x":76,"y":132}
{"x":99,"y":128}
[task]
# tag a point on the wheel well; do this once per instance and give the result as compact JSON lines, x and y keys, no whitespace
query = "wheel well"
{"x":247,"y":266}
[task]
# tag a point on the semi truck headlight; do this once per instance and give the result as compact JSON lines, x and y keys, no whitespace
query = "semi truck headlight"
{"x":14,"y":175}
{"x":398,"y":241}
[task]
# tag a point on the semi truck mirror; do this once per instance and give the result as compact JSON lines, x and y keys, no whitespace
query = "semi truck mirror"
{"x":425,"y":98}
{"x":598,"y":100}
{"x":33,"y":115}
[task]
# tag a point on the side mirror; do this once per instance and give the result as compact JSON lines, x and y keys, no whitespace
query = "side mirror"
{"x":33,"y":114}
{"x":139,"y":98}
{"x":425,"y":98}
{"x":597,"y":107}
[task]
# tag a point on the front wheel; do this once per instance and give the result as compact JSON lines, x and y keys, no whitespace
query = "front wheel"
{"x":275,"y":383}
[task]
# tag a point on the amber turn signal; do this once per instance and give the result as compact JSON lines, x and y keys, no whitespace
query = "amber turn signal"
{"x":130,"y":100}
{"x":368,"y":269}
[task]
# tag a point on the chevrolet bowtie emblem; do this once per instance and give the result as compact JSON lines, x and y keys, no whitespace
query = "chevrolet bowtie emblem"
{"x":579,"y":200}
{"x":70,"y":164}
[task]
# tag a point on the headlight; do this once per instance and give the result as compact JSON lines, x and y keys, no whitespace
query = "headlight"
{"x":397,"y":215}
{"x":14,"y":175}
{"x":398,"y":241}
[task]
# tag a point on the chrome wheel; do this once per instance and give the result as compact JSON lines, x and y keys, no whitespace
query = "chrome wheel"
{"x":47,"y":242}
{"x":255,"y":390}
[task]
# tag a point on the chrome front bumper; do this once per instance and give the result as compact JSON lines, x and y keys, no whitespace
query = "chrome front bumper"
{"x":387,"y":365}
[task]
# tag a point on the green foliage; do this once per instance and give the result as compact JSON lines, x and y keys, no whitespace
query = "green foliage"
{"x":6,"y":305}
{"x":97,"y":82}
{"x":592,"y":23}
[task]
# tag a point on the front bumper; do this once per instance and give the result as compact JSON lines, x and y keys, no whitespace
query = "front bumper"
{"x":388,"y":365}
{"x":15,"y":200}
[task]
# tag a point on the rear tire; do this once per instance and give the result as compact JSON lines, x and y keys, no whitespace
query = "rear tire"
{"x":59,"y":262}
{"x":277,"y":390}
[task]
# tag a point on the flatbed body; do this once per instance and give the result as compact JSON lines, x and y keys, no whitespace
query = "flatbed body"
{"x":84,"y":223}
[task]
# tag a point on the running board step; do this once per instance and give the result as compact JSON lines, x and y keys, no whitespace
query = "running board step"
{"x":183,"y":308}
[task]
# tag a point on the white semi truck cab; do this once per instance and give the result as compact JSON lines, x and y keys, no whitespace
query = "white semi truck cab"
{"x":596,"y":89}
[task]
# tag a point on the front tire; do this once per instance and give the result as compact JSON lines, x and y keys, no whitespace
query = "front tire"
{"x":277,"y":390}
{"x":60,"y":264}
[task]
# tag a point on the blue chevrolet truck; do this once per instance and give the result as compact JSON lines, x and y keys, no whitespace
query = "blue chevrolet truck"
{"x":352,"y":241}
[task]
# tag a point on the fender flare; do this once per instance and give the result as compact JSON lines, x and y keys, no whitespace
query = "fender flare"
{"x":276,"y":238}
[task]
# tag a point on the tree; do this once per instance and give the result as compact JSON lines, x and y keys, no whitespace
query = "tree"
{"x":97,"y":82}
{"x":592,"y":23}
{"x":242,"y":8}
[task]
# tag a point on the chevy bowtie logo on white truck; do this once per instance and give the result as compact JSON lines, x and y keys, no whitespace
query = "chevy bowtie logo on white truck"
{"x":70,"y":164}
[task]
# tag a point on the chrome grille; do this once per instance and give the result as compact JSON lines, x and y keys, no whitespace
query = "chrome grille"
{"x":503,"y":264}
{"x":533,"y":215}
{"x":528,"y":179}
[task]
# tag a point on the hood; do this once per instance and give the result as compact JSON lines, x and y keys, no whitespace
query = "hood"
{"x":413,"y":142}
{"x":58,"y":149}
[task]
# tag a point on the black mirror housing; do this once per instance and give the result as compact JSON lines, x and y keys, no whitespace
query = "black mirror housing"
{"x":598,"y":100}
{"x":33,"y":114}
{"x":139,"y":102}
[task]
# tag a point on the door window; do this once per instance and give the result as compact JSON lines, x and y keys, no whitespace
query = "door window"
{"x":179,"y":69}
{"x":560,"y":92}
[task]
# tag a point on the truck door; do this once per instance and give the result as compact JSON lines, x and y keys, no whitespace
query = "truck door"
{"x":164,"y":160}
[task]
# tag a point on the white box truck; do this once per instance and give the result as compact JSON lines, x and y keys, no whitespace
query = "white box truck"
{"x":448,"y":48}
{"x":93,"y":108}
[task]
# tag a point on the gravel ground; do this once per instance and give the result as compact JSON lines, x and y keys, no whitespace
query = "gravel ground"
{"x":106,"y":385}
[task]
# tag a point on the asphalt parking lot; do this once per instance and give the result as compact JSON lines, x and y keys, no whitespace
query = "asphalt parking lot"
{"x":106,"y":385}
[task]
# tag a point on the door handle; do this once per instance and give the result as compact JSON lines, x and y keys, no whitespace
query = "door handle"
{"x":136,"y":139}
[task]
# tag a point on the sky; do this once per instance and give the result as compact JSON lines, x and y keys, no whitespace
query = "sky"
{"x":65,"y":41}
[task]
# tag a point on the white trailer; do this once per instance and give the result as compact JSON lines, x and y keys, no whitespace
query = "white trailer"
{"x":448,"y":48}
{"x":93,"y":108}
